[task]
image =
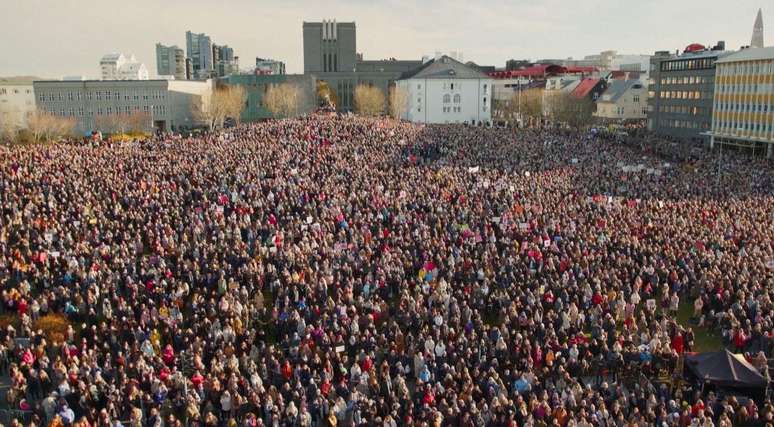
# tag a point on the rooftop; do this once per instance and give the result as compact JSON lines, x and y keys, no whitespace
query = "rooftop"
{"x":444,"y":67}
{"x":751,"y":54}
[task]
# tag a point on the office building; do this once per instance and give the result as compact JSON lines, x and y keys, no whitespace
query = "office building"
{"x":757,"y":35}
{"x":163,"y":104}
{"x":170,"y":61}
{"x":681,"y":91}
{"x":330,"y":55}
{"x":256,"y":87}
{"x":445,"y":90}
{"x":17,"y":102}
{"x":743,"y":113}
{"x":224,"y":61}
{"x":116,"y":66}
{"x":269,"y":66}
{"x":198,"y":48}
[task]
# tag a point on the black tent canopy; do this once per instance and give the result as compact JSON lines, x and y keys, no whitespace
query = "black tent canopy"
{"x":725,"y":369}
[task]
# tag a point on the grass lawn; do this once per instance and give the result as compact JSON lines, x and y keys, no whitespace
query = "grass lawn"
{"x":705,"y":340}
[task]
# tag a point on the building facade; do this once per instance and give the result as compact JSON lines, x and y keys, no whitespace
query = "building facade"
{"x":17,"y":102}
{"x":170,"y":61}
{"x":269,"y":66}
{"x":330,"y":55}
{"x":256,"y":87}
{"x":198,"y":48}
{"x":447,"y":91}
{"x":224,"y":61}
{"x":623,"y":100}
{"x":116,"y":66}
{"x":743,"y":113}
{"x":681,"y":92}
{"x":166,"y":104}
{"x":329,"y":47}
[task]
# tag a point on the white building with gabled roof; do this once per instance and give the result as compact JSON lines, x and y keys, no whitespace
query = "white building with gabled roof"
{"x":445,"y":90}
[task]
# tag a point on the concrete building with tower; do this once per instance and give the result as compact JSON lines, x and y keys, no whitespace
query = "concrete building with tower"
{"x":330,"y":55}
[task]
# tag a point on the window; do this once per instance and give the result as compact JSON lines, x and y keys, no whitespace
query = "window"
{"x":109,"y":111}
{"x":446,"y":98}
{"x":484,"y":89}
{"x":419,"y":86}
{"x":3,"y":91}
{"x":458,"y":98}
{"x":452,"y":86}
{"x":636,"y":98}
{"x":41,"y":97}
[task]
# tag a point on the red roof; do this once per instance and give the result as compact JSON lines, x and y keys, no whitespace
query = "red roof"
{"x":584,"y":88}
{"x":542,"y":70}
{"x":538,"y":70}
{"x":695,"y":47}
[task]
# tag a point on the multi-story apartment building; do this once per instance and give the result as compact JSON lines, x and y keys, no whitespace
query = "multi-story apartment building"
{"x":269,"y":66}
{"x":681,"y":91}
{"x":198,"y":48}
{"x":744,"y":101}
{"x":170,"y":61}
{"x":166,"y":104}
{"x":116,"y":66}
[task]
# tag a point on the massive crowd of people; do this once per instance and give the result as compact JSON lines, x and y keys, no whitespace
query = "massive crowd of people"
{"x":348,"y":271}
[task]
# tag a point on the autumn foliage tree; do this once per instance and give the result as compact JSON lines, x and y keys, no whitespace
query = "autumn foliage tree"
{"x":283,"y":100}
{"x":527,"y":105}
{"x":136,"y":121}
{"x":398,"y":100}
{"x":369,"y":100}
{"x":326,"y":95}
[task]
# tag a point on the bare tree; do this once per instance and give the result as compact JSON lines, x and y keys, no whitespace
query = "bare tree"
{"x":8,"y":129}
{"x":527,"y":105}
{"x":398,"y":102}
{"x":369,"y":100}
{"x":283,"y":100}
{"x":570,"y":110}
{"x":46,"y":127}
{"x":216,"y":108}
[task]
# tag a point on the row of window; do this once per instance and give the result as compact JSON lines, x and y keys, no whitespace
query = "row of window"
{"x":743,"y":108}
{"x":447,"y":98}
{"x":746,"y":68}
{"x":684,"y":124}
{"x":4,"y":91}
{"x":746,"y":88}
{"x":621,"y":110}
{"x":685,"y":94}
{"x":688,"y":64}
{"x":452,"y":109}
{"x":682,"y":109}
{"x":99,"y":95}
{"x":733,"y":125}
{"x":687,"y":80}
{"x":108,"y":111}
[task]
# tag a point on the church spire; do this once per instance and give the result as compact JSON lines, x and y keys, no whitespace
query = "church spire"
{"x":757,"y":36}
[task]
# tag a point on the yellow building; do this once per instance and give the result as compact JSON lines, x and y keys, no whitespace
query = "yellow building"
{"x":743,"y":107}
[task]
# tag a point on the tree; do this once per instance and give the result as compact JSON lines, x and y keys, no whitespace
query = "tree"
{"x":326,"y":95}
{"x":45,"y":126}
{"x":527,"y":105}
{"x":283,"y":100}
{"x":7,"y":129}
{"x":136,"y":121}
{"x":369,"y":100}
{"x":570,"y":110}
{"x":216,"y":108}
{"x":398,"y":102}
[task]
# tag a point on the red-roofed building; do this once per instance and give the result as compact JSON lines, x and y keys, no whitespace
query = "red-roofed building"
{"x":591,"y":88}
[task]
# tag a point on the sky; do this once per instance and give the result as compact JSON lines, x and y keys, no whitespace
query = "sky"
{"x":56,"y":38}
